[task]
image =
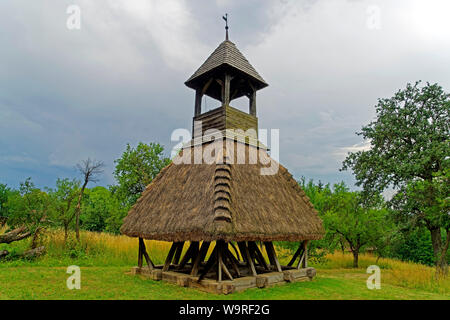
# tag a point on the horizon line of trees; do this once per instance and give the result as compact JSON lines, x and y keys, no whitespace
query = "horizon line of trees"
{"x":28,"y":211}
{"x":410,"y":153}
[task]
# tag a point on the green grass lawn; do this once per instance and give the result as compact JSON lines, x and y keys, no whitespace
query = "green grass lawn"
{"x":41,"y":282}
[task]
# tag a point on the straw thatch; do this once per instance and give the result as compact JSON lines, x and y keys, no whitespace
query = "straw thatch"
{"x":226,"y":201}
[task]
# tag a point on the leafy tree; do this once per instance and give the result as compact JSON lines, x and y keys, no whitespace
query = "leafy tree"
{"x":115,"y":219}
{"x":28,"y":212}
{"x":101,"y":211}
{"x":63,"y":203}
{"x":410,"y":152}
{"x":413,"y":245}
{"x":319,"y":195}
{"x":358,"y":225}
{"x":426,"y":203}
{"x":4,"y":194}
{"x":349,"y":221}
{"x":136,"y":169}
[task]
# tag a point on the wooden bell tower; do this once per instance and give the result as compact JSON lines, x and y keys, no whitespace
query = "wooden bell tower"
{"x":226,"y":75}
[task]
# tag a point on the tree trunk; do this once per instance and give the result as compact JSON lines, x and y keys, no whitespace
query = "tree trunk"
{"x":442,"y":265}
{"x":342,"y":245}
{"x":78,"y":210}
{"x":33,"y":253}
{"x":440,"y":250}
{"x":35,"y":239}
{"x":66,"y":233}
{"x":355,"y":257}
{"x":14,"y":235}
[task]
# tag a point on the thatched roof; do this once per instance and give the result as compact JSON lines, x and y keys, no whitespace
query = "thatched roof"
{"x":233,"y":202}
{"x":227,"y":54}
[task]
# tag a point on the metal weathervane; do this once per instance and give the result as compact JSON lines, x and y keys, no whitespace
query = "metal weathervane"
{"x":225,"y":17}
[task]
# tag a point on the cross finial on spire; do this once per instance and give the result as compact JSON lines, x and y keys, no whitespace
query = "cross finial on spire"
{"x":225,"y":17}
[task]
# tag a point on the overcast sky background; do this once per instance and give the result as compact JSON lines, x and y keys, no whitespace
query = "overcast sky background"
{"x":66,"y":95}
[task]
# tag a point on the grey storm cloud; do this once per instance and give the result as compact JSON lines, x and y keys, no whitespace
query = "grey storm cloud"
{"x":66,"y":95}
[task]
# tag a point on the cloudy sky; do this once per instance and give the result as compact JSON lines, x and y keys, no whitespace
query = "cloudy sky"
{"x":68,"y":94}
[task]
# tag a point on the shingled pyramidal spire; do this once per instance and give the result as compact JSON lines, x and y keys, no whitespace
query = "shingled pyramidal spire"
{"x":225,"y":202}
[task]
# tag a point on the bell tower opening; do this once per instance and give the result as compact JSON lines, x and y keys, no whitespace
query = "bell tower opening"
{"x":226,"y":76}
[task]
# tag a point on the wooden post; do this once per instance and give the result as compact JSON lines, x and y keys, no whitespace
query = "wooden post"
{"x":303,"y":259}
{"x":225,"y":269}
{"x":245,"y":253}
{"x":198,"y":102}
{"x":219,"y":260}
{"x":241,"y":246}
{"x":191,"y":253}
{"x":200,"y":257}
{"x":150,"y":264}
{"x":226,"y":90}
{"x":140,"y":254}
{"x":178,"y":252}
{"x":252,"y":245}
{"x":305,"y":249}
{"x":233,"y":261}
{"x":272,"y":255}
{"x":236,"y":251}
{"x":211,"y":262}
{"x":170,"y":257}
{"x":252,"y":103}
{"x":296,"y":254}
{"x":222,"y":94}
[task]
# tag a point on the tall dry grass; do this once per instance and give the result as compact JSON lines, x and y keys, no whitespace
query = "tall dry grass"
{"x":103,"y":249}
{"x":3,"y":229}
{"x":396,"y":272}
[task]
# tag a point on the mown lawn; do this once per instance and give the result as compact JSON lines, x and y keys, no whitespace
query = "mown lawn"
{"x":42,"y":282}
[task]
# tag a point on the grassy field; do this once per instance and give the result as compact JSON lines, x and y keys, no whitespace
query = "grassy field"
{"x":106,"y":260}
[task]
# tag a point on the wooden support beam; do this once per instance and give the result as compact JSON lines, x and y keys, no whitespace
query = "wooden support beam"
{"x":190,"y":254}
{"x":300,"y":262}
{"x":206,"y":86}
{"x":236,"y":251}
{"x":252,"y":253}
{"x":258,"y":255}
{"x":252,"y":103}
{"x":305,"y":247}
{"x":221,"y":259}
{"x":200,"y":257}
{"x":150,"y":263}
{"x":178,"y":252}
{"x":241,"y":246}
{"x":140,"y":254}
{"x":233,"y":261}
{"x":198,"y":97}
{"x":296,"y":254}
{"x":252,"y":99}
{"x":169,"y":257}
{"x":198,"y":102}
{"x":272,"y":255}
{"x":248,"y":258}
{"x":225,"y":269}
{"x":303,"y":262}
{"x":220,"y":82}
{"x":226,"y":90}
{"x":211,"y":262}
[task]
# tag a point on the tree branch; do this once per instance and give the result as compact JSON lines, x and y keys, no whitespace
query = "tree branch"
{"x":14,"y":235}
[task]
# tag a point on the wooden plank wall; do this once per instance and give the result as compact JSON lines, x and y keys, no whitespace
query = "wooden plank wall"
{"x":225,"y":118}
